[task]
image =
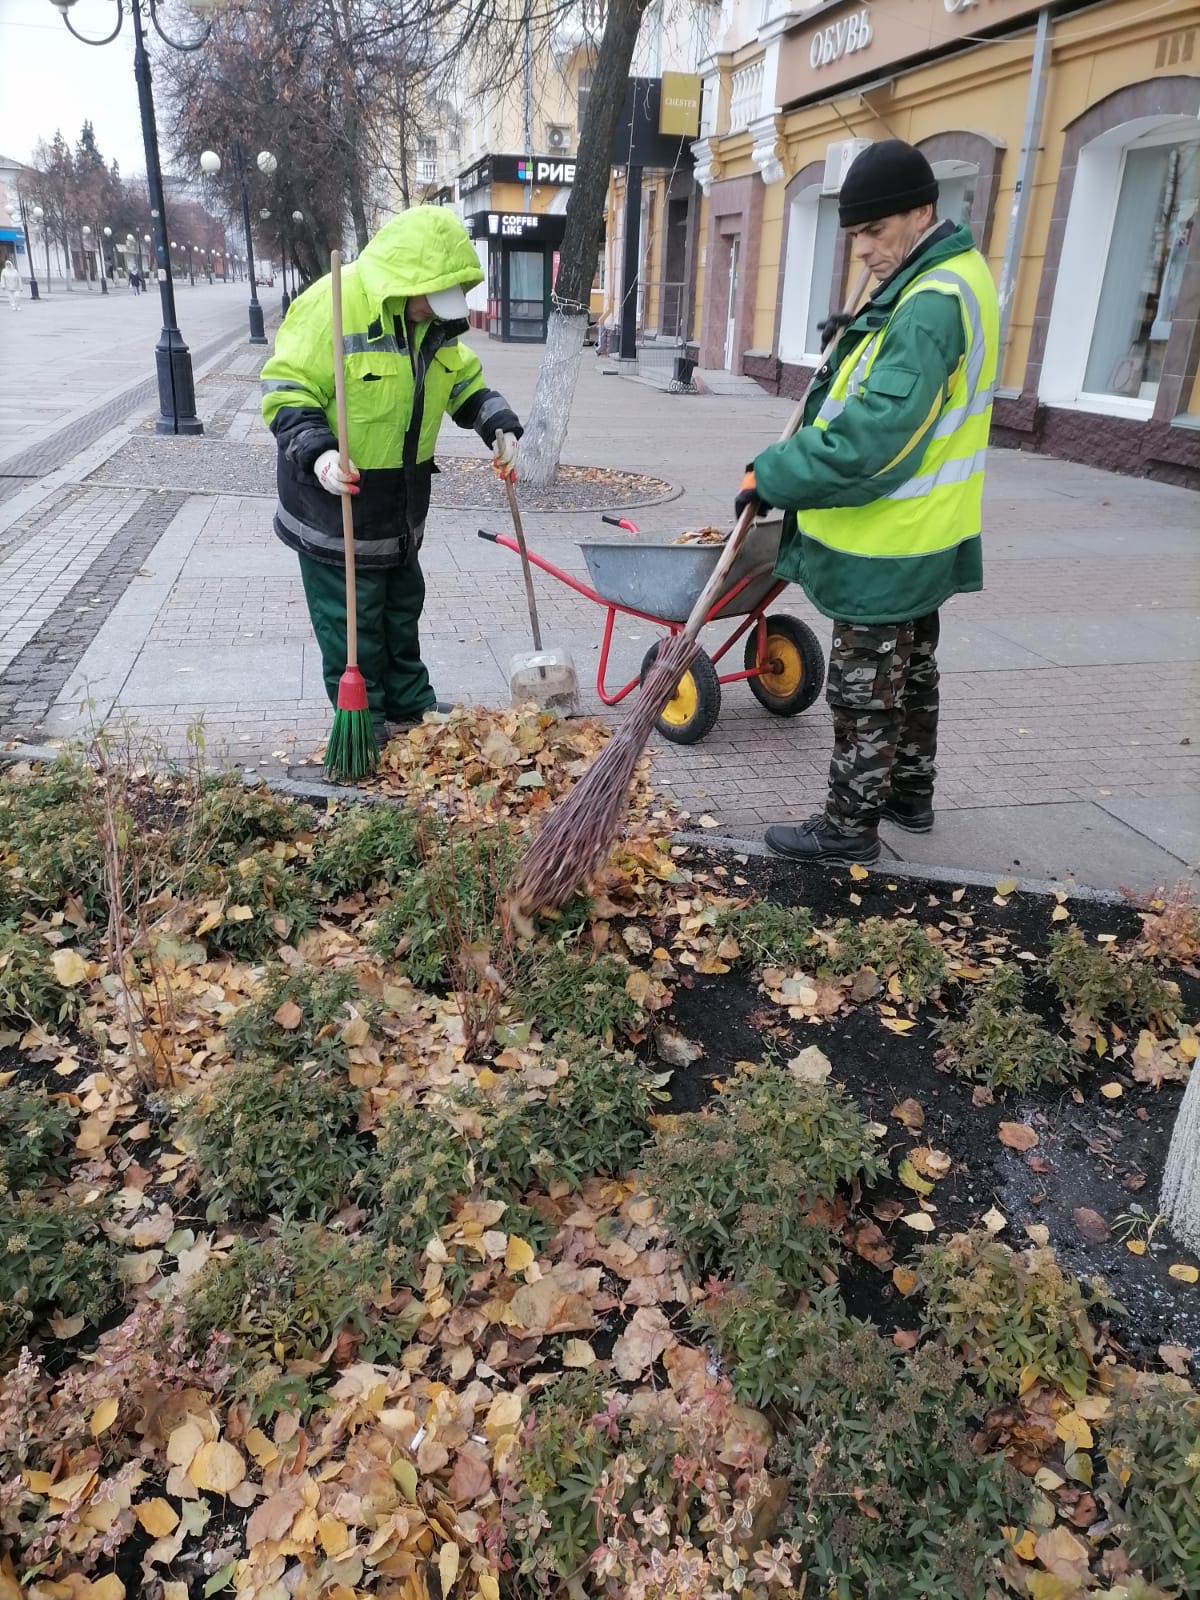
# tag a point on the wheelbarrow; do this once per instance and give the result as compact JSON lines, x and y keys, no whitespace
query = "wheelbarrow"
{"x":657,"y":582}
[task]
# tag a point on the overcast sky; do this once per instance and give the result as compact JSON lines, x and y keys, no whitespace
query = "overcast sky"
{"x":49,"y":80}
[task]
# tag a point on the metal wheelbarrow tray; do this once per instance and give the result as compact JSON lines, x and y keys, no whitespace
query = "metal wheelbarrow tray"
{"x":782,"y":662}
{"x":665,"y":580}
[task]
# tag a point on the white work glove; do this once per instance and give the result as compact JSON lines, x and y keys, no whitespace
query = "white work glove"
{"x":504,"y":456}
{"x":327,"y":469}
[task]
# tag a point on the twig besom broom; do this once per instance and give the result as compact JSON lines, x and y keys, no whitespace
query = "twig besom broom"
{"x":579,"y":833}
{"x":351,"y":751}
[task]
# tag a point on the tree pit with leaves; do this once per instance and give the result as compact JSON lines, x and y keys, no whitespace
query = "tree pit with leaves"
{"x":380,"y":1252}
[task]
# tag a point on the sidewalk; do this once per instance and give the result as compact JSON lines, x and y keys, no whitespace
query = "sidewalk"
{"x":144,"y":575}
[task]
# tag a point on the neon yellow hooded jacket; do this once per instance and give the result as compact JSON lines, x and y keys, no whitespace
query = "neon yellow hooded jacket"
{"x":400,"y":382}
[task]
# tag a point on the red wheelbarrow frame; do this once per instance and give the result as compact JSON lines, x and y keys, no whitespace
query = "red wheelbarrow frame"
{"x":753,"y":619}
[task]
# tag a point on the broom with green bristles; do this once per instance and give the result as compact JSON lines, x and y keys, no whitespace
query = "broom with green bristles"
{"x":351,"y":751}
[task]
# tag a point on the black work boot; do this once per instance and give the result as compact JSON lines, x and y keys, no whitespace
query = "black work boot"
{"x":912,"y":812}
{"x":821,"y":840}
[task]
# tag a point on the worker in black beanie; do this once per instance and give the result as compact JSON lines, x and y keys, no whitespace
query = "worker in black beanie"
{"x":883,"y":489}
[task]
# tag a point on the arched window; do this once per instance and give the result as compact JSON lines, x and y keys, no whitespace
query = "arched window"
{"x":812,"y":238}
{"x":1128,"y":238}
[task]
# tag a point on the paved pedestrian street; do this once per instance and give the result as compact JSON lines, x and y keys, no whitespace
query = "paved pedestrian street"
{"x":139,"y":577}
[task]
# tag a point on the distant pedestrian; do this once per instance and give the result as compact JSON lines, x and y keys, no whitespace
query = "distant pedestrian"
{"x":10,"y":284}
{"x":135,"y":282}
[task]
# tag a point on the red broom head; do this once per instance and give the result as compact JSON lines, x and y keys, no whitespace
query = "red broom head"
{"x":352,"y":691}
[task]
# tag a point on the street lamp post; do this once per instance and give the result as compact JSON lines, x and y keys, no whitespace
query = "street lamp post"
{"x":39,"y":216}
{"x":86,"y":237}
{"x":33,"y":283}
{"x":105,"y":233}
{"x":210,"y":162}
{"x":176,"y":386}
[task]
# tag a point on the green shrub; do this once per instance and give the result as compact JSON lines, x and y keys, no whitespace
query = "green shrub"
{"x":51,"y":849}
{"x":769,"y":935}
{"x":321,"y":994}
{"x":449,"y":904}
{"x":35,"y":1139}
{"x":29,"y":991}
{"x":1001,"y":1044}
{"x":892,"y":947}
{"x":737,"y":1182}
{"x":1150,"y":1480}
{"x":228,"y":816}
{"x":368,"y":845}
{"x":565,"y":1449}
{"x":594,"y":1119}
{"x":278,"y":896}
{"x":572,"y":991}
{"x":869,"y":1442}
{"x":421,"y":1167}
{"x":288,"y":1296}
{"x":1096,"y":983}
{"x":277,"y":1141}
{"x":53,"y":1257}
{"x":1008,"y":1312}
{"x":766,"y":1339}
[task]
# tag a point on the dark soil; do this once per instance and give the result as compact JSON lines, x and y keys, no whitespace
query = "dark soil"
{"x":1105,"y":1155}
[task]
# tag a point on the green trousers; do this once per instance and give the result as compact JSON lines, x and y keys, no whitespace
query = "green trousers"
{"x":389,"y":647}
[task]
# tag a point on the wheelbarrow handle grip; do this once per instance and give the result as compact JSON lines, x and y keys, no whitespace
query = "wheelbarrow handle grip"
{"x":484,"y":533}
{"x":621,"y":522}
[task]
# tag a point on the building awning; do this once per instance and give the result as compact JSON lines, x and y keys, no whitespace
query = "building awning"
{"x":11,"y":235}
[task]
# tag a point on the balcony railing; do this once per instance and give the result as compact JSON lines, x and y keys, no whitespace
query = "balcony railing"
{"x":746,"y":89}
{"x":426,"y":169}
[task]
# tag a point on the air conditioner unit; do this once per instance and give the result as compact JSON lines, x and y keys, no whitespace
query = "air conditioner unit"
{"x":558,"y":138}
{"x":839,"y":158}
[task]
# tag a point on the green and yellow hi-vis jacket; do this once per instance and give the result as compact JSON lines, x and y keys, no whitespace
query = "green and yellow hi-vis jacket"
{"x":397,"y":392}
{"x":884,"y":483}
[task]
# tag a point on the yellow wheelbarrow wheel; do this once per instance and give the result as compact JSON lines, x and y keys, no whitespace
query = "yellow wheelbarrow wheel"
{"x":696,"y":704}
{"x":790,"y":677}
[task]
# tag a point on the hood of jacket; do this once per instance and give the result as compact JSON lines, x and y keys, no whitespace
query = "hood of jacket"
{"x":423,"y":249}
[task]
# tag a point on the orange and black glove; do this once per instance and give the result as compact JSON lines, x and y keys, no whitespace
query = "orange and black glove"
{"x":748,"y":494}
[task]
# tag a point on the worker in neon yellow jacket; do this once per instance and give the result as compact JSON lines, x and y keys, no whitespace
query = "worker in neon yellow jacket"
{"x":883,"y":489}
{"x":404,"y":308}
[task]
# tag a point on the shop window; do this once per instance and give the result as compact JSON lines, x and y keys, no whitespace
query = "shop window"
{"x":1129,"y":230}
{"x":1156,"y":211}
{"x":957,"y":183}
{"x":808,"y":288}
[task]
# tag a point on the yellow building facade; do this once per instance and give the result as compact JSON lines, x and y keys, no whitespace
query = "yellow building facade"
{"x":1068,"y":137}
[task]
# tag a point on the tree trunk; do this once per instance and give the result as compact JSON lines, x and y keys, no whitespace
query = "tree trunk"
{"x":1180,"y":1200}
{"x":546,"y":428}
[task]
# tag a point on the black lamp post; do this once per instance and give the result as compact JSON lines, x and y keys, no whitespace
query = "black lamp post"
{"x":176,"y":387}
{"x":33,"y":283}
{"x":39,"y":216}
{"x":210,"y":162}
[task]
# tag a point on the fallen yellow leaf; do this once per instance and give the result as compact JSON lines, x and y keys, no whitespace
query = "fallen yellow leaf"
{"x":1023,"y":1544}
{"x":1183,"y":1273}
{"x":157,"y":1516}
{"x":448,"y":1566}
{"x":333,"y":1534}
{"x":1136,"y":1247}
{"x":920,"y":1221}
{"x":518,"y":1254}
{"x":217,"y":1466}
{"x":70,"y":969}
{"x":1111,"y":1091}
{"x":905,"y":1279}
{"x":1005,"y":886}
{"x":489,"y":1589}
{"x":503,"y":1414}
{"x":578,"y":1353}
{"x":858,"y":873}
{"x":104,"y":1416}
{"x":1073,"y":1430}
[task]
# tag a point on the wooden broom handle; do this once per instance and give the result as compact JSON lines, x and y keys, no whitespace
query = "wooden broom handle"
{"x":339,"y":400}
{"x":734,"y":543}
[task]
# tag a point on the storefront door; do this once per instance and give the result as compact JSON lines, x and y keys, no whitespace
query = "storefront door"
{"x":731,"y":313}
{"x":528,"y":294}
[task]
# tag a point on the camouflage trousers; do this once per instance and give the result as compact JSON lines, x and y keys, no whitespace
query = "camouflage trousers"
{"x":883,"y":691}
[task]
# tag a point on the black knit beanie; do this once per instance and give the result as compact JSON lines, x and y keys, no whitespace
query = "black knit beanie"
{"x":886,"y":179}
